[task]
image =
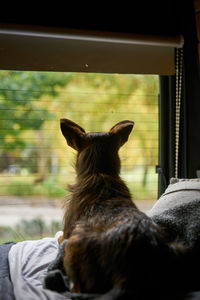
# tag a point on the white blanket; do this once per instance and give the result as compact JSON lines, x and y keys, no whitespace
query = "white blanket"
{"x":28,"y":262}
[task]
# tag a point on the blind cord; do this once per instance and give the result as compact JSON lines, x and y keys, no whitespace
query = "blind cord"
{"x":179,"y":74}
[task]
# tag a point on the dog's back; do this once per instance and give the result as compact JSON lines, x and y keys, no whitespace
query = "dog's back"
{"x":112,"y":246}
{"x":129,"y":255}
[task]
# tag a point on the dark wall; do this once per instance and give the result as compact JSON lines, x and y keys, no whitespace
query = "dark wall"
{"x":191,"y":97}
{"x":149,"y":17}
{"x":189,"y":152}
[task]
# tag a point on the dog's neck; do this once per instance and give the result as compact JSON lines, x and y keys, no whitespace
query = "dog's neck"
{"x":99,"y":187}
{"x":97,"y":160}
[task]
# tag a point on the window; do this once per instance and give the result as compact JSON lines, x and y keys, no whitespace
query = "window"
{"x":36,"y":164}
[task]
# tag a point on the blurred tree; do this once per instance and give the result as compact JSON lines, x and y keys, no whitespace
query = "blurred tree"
{"x":147,"y":133}
{"x":20,"y":93}
{"x":20,"y":109}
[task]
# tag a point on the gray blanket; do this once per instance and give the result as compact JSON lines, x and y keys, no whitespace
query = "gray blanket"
{"x":178,"y":211}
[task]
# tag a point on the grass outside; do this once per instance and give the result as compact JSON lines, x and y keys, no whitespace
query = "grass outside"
{"x":29,"y":230}
{"x":56,"y":186}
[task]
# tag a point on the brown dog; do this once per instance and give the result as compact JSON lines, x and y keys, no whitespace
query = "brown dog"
{"x":99,"y":190}
{"x":112,"y":246}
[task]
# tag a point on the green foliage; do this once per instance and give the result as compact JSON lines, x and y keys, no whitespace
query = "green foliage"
{"x":35,"y":227}
{"x":51,"y":187}
{"x":20,"y":93}
{"x":29,"y":229}
{"x":20,"y":188}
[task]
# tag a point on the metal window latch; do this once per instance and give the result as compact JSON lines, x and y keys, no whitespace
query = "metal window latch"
{"x":159,"y":170}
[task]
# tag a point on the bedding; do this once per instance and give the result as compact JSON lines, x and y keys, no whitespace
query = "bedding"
{"x":6,"y":287}
{"x":28,"y":262}
{"x":178,"y":211}
{"x":25,"y":265}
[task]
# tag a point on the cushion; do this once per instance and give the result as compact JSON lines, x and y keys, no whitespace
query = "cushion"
{"x":178,"y":210}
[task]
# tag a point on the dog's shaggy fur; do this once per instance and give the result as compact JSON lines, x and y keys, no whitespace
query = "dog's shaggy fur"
{"x":113,"y":248}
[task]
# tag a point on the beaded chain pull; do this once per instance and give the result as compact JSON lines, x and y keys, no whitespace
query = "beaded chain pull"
{"x":179,"y":74}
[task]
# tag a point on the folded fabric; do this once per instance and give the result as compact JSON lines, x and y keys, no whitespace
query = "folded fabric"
{"x":28,"y":263}
{"x":178,"y":211}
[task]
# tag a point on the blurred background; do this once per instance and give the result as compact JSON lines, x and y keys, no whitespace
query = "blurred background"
{"x":36,"y":165}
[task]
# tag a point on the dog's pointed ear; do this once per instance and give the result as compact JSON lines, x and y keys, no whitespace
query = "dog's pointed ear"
{"x":122,"y":131}
{"x":73,"y":133}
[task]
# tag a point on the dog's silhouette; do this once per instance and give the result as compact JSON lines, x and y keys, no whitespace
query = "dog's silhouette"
{"x":113,"y":248}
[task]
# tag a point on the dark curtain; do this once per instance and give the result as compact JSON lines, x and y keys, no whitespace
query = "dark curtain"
{"x":189,"y":148}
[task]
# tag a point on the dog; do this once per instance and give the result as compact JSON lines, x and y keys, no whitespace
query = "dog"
{"x":111,"y":247}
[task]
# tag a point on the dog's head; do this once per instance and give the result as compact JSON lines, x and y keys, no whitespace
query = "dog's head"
{"x":97,"y":151}
{"x":78,"y":139}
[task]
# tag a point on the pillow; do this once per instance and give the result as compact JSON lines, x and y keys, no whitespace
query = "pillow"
{"x":178,"y":192}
